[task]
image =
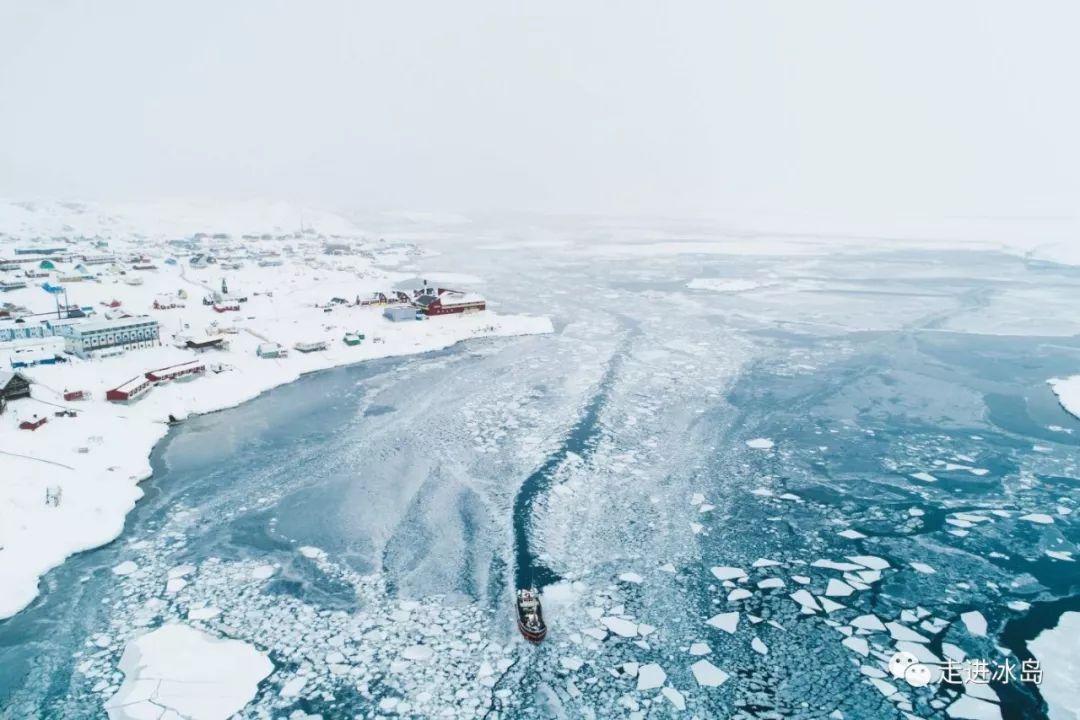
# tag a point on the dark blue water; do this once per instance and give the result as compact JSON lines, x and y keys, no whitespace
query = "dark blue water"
{"x":907,"y":400}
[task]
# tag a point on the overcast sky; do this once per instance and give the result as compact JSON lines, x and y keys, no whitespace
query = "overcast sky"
{"x":957,"y":107}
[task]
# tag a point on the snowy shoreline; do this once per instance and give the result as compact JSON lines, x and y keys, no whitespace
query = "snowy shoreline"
{"x":129,"y":434}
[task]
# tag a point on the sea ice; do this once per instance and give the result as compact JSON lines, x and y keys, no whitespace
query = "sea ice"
{"x":700,"y":648}
{"x":974,"y":622}
{"x":571,"y":663}
{"x":418,"y":653}
{"x":619,"y":626}
{"x":728,"y":573}
{"x":760,"y":443}
{"x":707,"y":674}
{"x":727,"y":622}
{"x":869,"y":622}
{"x":838,"y":588}
{"x":263,"y":572}
{"x":870,"y":561}
{"x":125,"y":568}
{"x":650,"y":676}
{"x":184,"y":672}
{"x":203,"y":613}
{"x":675,"y":697}
{"x":805,"y":599}
{"x":901,"y":632}
{"x":1056,"y":651}
{"x":831,"y":606}
{"x":971,"y":708}
{"x":857,"y":644}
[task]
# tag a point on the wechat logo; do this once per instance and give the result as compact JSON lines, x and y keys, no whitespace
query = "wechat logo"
{"x":905,"y":666}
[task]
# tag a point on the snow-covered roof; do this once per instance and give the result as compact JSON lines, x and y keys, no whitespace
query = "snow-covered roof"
{"x":450,"y":298}
{"x":132,"y":384}
{"x":115,"y":324}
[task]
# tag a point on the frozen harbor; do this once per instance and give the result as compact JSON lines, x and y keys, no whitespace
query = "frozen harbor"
{"x":744,"y":478}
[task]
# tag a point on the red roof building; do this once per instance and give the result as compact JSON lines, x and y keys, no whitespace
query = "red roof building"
{"x":133,"y":389}
{"x":33,"y":424}
{"x":175,"y":372}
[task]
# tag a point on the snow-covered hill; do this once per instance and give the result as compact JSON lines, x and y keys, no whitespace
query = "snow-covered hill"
{"x":164,"y":218}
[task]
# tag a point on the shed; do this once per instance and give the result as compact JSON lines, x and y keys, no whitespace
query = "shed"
{"x":206,"y":343}
{"x":270,"y":350}
{"x":399,"y":313}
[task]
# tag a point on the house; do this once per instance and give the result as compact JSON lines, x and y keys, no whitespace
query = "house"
{"x":34,"y":423}
{"x":90,"y":339}
{"x":20,"y":330}
{"x":166,"y":302}
{"x":450,"y":301}
{"x":399,"y":313}
{"x":13,"y":386}
{"x":187,"y":369}
{"x":33,"y":351}
{"x":307,"y":347}
{"x":133,"y":389}
{"x":271,"y":350}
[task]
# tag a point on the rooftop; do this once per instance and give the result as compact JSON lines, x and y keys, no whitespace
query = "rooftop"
{"x":113,"y":324}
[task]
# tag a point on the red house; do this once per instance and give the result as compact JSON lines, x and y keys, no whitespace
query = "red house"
{"x":33,"y":424}
{"x":450,"y":301}
{"x":134,"y":388}
{"x":175,"y":372}
{"x":70,"y":395}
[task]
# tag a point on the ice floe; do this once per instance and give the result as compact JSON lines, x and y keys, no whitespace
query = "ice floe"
{"x":707,"y":674}
{"x":727,"y":622}
{"x":974,"y":622}
{"x":972,"y":708}
{"x":620,"y":626}
{"x":180,"y":672}
{"x":728,"y":573}
{"x":650,"y":676}
{"x":1056,"y":651}
{"x":125,"y":568}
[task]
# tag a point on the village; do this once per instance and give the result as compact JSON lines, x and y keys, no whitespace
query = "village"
{"x":106,"y":342}
{"x":114,"y":317}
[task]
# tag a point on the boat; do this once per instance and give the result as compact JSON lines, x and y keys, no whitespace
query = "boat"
{"x":530,"y":617}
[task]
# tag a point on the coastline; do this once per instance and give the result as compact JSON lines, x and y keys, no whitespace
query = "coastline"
{"x":102,"y":485}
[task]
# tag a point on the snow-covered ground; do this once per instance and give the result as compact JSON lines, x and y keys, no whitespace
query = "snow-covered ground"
{"x":96,"y":460}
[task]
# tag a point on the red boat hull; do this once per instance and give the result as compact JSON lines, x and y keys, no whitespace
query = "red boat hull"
{"x":533,"y":637}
